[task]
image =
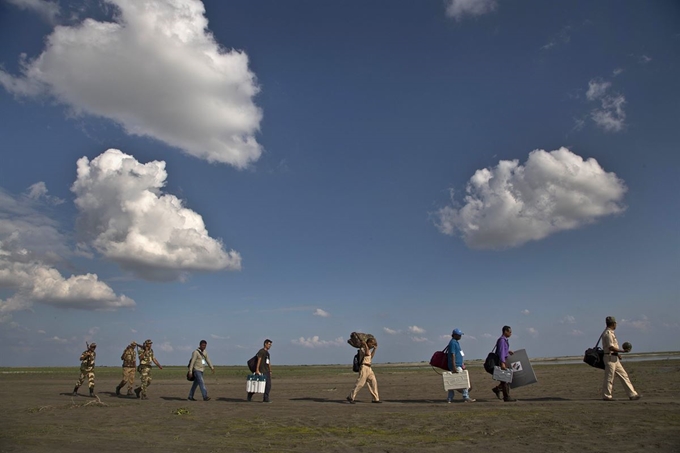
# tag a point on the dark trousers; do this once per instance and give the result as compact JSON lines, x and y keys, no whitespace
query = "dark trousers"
{"x":267,"y":387}
{"x":505,"y":388}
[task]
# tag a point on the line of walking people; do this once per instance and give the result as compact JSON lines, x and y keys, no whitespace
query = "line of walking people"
{"x":456,"y":364}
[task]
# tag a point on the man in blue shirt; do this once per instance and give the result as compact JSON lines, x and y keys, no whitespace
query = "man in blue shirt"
{"x":456,"y":365}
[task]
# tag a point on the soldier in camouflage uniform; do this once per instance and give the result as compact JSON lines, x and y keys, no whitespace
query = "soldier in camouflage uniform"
{"x":146,"y":357}
{"x":87,"y":359}
{"x":129,"y":359}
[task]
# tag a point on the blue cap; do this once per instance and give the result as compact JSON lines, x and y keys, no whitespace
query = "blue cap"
{"x":457,"y":332}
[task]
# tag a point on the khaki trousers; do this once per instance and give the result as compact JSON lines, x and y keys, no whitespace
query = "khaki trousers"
{"x":366,"y":376}
{"x":613,"y":367}
{"x":128,"y":378}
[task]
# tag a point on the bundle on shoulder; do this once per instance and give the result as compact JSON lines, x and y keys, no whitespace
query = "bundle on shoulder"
{"x":356,"y":338}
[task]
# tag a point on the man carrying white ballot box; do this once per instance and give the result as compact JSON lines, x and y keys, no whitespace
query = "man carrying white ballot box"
{"x":456,"y":365}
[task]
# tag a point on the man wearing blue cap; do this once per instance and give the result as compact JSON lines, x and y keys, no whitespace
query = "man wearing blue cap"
{"x":456,"y":355}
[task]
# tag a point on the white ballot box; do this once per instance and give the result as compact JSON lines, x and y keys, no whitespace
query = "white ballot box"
{"x":502,"y":375}
{"x":456,"y":381}
{"x":255,"y":383}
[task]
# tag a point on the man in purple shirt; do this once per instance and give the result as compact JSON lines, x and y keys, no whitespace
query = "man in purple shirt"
{"x":503,"y":351}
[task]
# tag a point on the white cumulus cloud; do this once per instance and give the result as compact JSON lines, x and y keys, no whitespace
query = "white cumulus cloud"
{"x":165,"y":346}
{"x":525,"y":312}
{"x":126,"y":217}
{"x":217,"y":337}
{"x":391,"y":331}
{"x":610,"y":115}
{"x":157,"y":71}
{"x":533,"y":332}
{"x":31,"y":248}
{"x":642,"y":323}
{"x":416,"y":339}
{"x":37,"y":282}
{"x":597,"y":89}
{"x":321,"y":313}
{"x":512,"y":204}
{"x":416,"y":330}
{"x":316,"y":342}
{"x":38,"y":191}
{"x":461,"y":8}
{"x":48,"y":10}
{"x":568,"y":320}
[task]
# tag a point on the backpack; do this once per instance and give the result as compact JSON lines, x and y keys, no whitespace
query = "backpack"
{"x":492,"y":361}
{"x":356,"y":363}
{"x":252,"y":364}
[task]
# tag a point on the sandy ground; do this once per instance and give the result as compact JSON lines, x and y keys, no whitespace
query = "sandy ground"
{"x":562,"y":412}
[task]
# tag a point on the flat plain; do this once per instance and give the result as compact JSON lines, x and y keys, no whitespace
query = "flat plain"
{"x":562,"y":412}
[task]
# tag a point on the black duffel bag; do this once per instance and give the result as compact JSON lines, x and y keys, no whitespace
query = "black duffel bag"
{"x":595,"y":356}
{"x":492,"y":361}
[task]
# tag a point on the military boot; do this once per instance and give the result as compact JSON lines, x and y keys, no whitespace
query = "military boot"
{"x":118,"y":387}
{"x":92,"y":392}
{"x":129,"y":392}
{"x":137,"y":390}
{"x":75,"y":391}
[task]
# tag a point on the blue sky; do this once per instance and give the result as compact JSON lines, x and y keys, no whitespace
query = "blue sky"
{"x":235,"y":171}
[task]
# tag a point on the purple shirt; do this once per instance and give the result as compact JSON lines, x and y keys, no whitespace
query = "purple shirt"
{"x":502,"y":348}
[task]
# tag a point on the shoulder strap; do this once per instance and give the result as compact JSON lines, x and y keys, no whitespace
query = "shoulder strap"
{"x":600,"y":338}
{"x":199,"y":351}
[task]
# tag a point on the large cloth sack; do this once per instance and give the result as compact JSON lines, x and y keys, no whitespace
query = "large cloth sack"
{"x":594,"y":357}
{"x":355,"y":339}
{"x":440,"y":359}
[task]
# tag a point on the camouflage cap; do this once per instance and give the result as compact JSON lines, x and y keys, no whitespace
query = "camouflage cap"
{"x":148,"y":342}
{"x":93,"y":345}
{"x":610,"y":319}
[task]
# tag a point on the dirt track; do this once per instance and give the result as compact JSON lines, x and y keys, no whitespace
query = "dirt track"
{"x":563,"y":412}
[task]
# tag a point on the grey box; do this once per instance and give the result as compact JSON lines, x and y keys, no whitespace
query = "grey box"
{"x":522,"y":371}
{"x":502,"y":375}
